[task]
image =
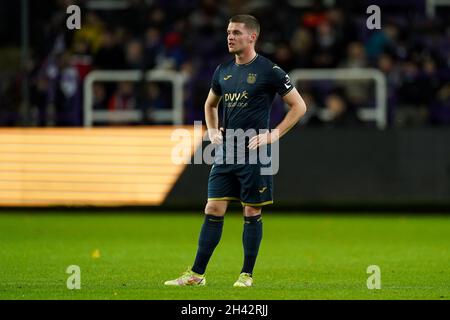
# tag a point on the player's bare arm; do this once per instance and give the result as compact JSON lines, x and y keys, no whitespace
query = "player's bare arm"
{"x":297,"y":109}
{"x":212,"y":117}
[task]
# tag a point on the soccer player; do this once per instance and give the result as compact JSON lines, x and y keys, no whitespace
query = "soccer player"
{"x":247,"y":84}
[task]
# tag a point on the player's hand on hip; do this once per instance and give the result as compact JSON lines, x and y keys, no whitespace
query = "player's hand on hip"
{"x":263,"y":139}
{"x":215,"y":135}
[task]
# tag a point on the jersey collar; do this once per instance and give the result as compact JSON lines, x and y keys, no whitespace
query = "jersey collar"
{"x":246,"y":64}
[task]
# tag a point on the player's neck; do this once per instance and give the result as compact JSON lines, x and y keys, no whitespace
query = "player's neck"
{"x":245,"y":57}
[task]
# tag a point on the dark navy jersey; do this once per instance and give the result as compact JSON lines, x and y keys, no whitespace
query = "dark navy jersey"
{"x":248,"y":90}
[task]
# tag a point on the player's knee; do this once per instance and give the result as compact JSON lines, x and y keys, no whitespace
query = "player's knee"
{"x":215,"y":208}
{"x":252,"y":211}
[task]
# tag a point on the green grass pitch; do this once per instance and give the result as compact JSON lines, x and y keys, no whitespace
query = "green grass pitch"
{"x":306,"y":256}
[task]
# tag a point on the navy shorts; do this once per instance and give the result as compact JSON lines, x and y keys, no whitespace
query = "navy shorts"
{"x":240,"y":182}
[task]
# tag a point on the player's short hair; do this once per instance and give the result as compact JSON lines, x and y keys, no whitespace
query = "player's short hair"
{"x":249,"y":21}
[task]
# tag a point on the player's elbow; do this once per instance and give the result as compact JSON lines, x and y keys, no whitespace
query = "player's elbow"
{"x":303,"y":108}
{"x":300,"y":109}
{"x":209,"y":106}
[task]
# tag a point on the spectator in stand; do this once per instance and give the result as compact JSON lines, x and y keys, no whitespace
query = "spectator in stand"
{"x":357,"y":91}
{"x":134,"y":55}
{"x":123,"y":98}
{"x":91,"y":32}
{"x":338,"y":111}
{"x":302,"y":45}
{"x":391,"y":71}
{"x":110,"y":55}
{"x":284,"y":57}
{"x":411,"y":110}
{"x":81,"y":58}
{"x":100,"y":97}
{"x":382,"y":41}
{"x":10,"y":101}
{"x":356,"y":56}
{"x":39,"y":100}
{"x":440,"y":110}
{"x":153,"y":47}
{"x":327,"y":48}
{"x":173,"y":54}
{"x":67,"y":92}
{"x":153,"y":101}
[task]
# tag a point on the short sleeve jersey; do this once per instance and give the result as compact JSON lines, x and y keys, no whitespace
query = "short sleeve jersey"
{"x":248,"y":90}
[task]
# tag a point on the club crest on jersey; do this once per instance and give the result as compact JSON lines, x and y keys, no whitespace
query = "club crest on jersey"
{"x":251,"y":78}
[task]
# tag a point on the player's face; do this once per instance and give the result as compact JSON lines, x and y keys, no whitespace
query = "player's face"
{"x":239,"y":37}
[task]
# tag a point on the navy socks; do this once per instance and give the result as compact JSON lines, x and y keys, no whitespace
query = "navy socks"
{"x":251,"y":239}
{"x":209,"y":238}
{"x":211,"y":233}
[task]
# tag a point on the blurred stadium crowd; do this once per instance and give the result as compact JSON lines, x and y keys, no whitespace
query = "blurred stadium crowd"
{"x":411,"y":49}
